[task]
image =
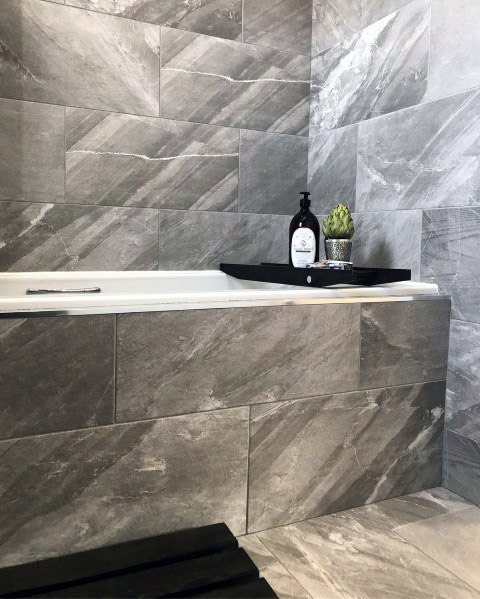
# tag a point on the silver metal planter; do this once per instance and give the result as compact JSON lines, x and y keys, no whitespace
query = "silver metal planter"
{"x":338,"y":249}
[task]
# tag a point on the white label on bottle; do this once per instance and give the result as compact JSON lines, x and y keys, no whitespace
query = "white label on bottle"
{"x":303,"y":247}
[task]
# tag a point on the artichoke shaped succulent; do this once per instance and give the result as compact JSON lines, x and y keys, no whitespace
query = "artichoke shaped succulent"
{"x":339,"y":224}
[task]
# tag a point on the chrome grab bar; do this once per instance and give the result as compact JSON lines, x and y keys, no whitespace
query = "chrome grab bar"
{"x":33,"y":291}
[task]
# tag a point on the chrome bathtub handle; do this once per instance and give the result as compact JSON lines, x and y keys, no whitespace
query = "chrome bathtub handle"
{"x":33,"y":291}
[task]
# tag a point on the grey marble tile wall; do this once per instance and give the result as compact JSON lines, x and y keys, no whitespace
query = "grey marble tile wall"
{"x":108,"y":419}
{"x":400,"y":144}
{"x":165,"y":107}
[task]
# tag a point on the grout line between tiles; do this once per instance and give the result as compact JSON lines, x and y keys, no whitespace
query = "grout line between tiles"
{"x":205,"y":412}
{"x":248,"y":471}
{"x":115,"y":369}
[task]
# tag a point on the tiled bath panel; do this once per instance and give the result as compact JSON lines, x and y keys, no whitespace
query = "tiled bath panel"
{"x":75,"y":490}
{"x":56,"y":374}
{"x":63,"y":55}
{"x":190,"y":361}
{"x":221,"y":18}
{"x":403,"y":342}
{"x":331,"y":453}
{"x":208,"y":80}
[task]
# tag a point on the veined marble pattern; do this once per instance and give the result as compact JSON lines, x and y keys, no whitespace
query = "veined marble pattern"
{"x":333,"y":22}
{"x":118,"y":159}
{"x":209,"y":80}
{"x":373,"y":10}
{"x":221,"y":18}
{"x":32,"y":151}
{"x":463,"y":382}
{"x":450,"y":257}
{"x":282,"y":24}
{"x":332,"y":169}
{"x":404,"y":342}
{"x":327,"y":454}
{"x":423,"y":157}
{"x":455,"y":47}
{"x":190,"y":361}
{"x":273,"y":172}
{"x":355,"y":555}
{"x":202,"y":240}
{"x":56,"y":374}
{"x":63,"y":55}
{"x":388,"y":240}
{"x":379,"y":70}
{"x":71,"y":491}
{"x":462,"y":466}
{"x":434,"y":538}
{"x":281,"y":581}
{"x":42,"y":237}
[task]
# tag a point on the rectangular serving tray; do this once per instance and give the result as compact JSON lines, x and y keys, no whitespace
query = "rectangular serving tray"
{"x":314,"y":277}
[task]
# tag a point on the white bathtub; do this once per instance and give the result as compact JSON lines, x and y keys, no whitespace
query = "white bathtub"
{"x":176,"y":290}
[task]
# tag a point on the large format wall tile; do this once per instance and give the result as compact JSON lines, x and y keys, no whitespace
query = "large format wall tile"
{"x":388,"y":240}
{"x":32,"y":151}
{"x":379,"y":70}
{"x":404,"y":342}
{"x":118,"y":159}
{"x":221,"y":18}
{"x":56,"y":374}
{"x":285,"y":25}
{"x":202,"y":240}
{"x":328,"y":454}
{"x":334,"y":21}
{"x":62,"y":55}
{"x":463,"y":389}
{"x":273,"y":170}
{"x":455,"y":47}
{"x":450,"y":257}
{"x":208,"y":80}
{"x":40,"y":237}
{"x":462,"y":466}
{"x":332,"y":169}
{"x":190,"y":361}
{"x":72,"y":491}
{"x":423,"y":157}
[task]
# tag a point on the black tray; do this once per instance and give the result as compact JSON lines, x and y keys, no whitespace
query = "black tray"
{"x":314,"y":277}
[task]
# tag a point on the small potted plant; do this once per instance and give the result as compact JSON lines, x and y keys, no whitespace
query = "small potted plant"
{"x":338,"y":229}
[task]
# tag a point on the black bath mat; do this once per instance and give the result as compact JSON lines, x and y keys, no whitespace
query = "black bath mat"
{"x":200,"y":562}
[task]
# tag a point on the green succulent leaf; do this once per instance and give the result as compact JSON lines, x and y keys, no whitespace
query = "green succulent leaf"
{"x":339,"y":224}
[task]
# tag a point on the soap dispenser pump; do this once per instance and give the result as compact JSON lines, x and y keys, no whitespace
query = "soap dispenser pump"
{"x":304,"y":235}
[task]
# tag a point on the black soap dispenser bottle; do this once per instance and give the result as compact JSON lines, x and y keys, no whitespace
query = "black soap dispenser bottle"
{"x":304,"y":235}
